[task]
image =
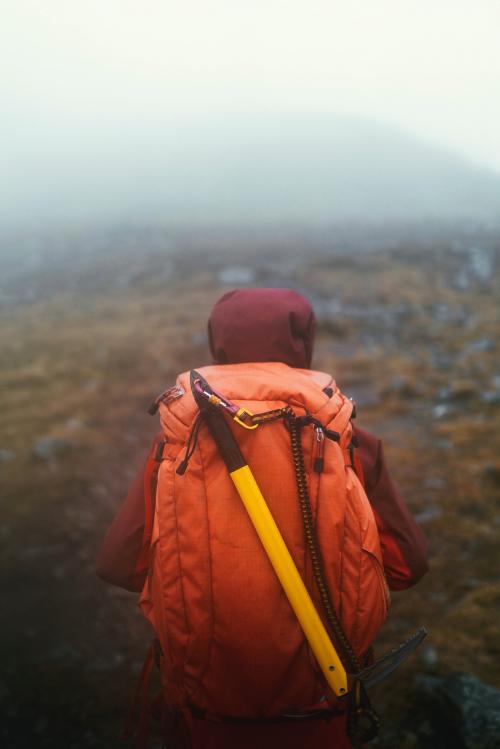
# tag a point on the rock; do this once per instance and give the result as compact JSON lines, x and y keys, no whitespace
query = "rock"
{"x":50,"y":448}
{"x":59,"y":572}
{"x":441,"y":443}
{"x":429,"y":658}
{"x":42,"y":551}
{"x":73,"y":424}
{"x":461,"y":281}
{"x":128,"y":278}
{"x":479,"y":345}
{"x":6,"y":456}
{"x":442,"y":313}
{"x":165,"y":273}
{"x":481,"y":263}
{"x":41,"y":725}
{"x":491,"y":474}
{"x":441,"y":410}
{"x":473,"y":583}
{"x":463,"y":711}
{"x":402,"y":387}
{"x":431,"y":513}
{"x":236,"y":275}
{"x":459,"y":391}
{"x":199,"y":338}
{"x":4,"y":690}
{"x":433,"y":482}
{"x":408,"y":740}
{"x":462,"y":390}
{"x":491,"y":396}
{"x":91,"y":739}
{"x":364,"y":395}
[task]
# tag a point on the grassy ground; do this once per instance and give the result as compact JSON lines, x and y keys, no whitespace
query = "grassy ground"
{"x":412,"y":336}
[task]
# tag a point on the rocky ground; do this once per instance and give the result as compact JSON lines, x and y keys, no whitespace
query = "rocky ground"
{"x":94,"y":326}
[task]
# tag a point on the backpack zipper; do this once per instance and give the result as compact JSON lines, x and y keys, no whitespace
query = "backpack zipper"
{"x":319,"y":460}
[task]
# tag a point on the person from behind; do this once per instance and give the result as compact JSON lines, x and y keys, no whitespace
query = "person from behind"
{"x":236,"y":668}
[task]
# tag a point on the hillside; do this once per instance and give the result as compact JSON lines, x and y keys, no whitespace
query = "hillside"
{"x":248,"y":169}
{"x":89,"y":340}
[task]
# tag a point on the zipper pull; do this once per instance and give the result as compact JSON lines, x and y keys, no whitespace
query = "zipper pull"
{"x":320,"y":448}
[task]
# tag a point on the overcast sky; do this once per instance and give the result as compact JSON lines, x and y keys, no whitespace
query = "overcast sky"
{"x":73,"y":71}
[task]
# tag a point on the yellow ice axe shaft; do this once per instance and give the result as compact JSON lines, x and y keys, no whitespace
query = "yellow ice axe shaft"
{"x":290,"y":579}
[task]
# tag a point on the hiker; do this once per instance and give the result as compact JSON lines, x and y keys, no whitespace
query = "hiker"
{"x":267,"y":337}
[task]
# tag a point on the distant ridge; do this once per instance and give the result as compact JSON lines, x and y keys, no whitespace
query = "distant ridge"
{"x":260,"y":169}
{"x":328,"y":168}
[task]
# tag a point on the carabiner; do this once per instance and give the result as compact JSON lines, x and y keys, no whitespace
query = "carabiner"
{"x":244,"y":412}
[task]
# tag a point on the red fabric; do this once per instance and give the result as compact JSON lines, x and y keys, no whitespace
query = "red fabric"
{"x":404,"y":547}
{"x":305,"y":735}
{"x":121,"y":547}
{"x":403,"y":544}
{"x":149,"y":490}
{"x":255,"y":325}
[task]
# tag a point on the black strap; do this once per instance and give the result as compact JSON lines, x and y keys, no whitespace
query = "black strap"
{"x":191,"y":443}
{"x":363,"y":723}
{"x":328,"y":714}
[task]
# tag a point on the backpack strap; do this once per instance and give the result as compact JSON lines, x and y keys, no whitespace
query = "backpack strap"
{"x":139,"y":710}
{"x":151,"y":469}
{"x":172,"y":724}
{"x":352,"y":459}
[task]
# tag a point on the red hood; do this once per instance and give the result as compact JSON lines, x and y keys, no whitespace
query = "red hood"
{"x":262,"y":325}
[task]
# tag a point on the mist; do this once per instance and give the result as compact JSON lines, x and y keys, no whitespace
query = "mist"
{"x":155,"y":156}
{"x":248,"y":113}
{"x":247,"y":169}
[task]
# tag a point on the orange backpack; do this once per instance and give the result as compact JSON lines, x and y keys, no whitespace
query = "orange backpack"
{"x":230,"y":642}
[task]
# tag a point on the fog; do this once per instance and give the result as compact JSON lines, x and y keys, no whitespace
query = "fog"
{"x":156,"y":155}
{"x":251,"y":170}
{"x":231,"y":111}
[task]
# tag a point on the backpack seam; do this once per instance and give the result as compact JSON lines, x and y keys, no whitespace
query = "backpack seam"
{"x":212,"y":604}
{"x":356,"y":624}
{"x":341,"y":561}
{"x":181,"y":571}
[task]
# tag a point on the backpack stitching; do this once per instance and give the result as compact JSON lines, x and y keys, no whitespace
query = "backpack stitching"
{"x":181,"y":572}
{"x":210,"y":565}
{"x":356,"y":623}
{"x":341,"y":561}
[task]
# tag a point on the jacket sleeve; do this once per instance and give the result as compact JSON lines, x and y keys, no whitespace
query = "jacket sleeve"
{"x":122,"y":560}
{"x":403,"y":544}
